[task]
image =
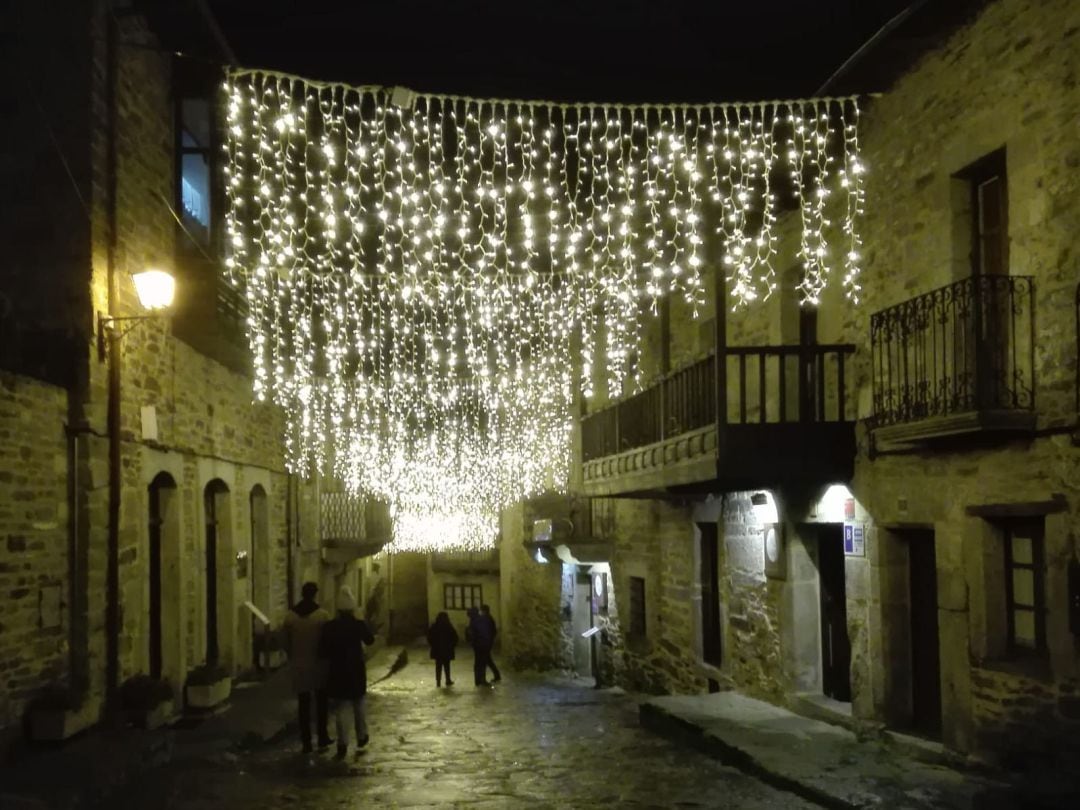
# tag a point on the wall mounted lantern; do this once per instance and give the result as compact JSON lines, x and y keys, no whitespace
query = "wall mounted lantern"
{"x":764,"y":507}
{"x":156,"y":290}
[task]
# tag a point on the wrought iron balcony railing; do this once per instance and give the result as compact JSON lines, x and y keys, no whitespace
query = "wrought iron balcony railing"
{"x":967,"y":347}
{"x":761,"y":386}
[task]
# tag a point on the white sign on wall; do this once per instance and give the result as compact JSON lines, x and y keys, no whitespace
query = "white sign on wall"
{"x":855,"y":539}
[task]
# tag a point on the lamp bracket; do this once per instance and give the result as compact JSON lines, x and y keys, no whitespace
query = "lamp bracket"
{"x":110,"y":326}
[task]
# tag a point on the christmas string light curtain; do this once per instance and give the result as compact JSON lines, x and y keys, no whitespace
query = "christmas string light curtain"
{"x":430,"y":278}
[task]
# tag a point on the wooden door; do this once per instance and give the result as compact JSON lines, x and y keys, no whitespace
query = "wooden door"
{"x":925,"y":641}
{"x":835,"y":645}
{"x":711,"y":642}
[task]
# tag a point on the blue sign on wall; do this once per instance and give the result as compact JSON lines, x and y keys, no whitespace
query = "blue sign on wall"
{"x":855,"y":539}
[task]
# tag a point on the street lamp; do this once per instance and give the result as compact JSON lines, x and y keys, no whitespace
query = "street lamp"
{"x":156,"y":290}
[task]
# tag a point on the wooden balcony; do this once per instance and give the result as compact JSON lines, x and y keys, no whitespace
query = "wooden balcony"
{"x":785,"y":418}
{"x":956,"y":361}
{"x":351,"y":526}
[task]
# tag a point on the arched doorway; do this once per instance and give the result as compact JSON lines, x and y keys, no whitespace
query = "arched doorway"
{"x":216,"y":512}
{"x":164,"y":650}
{"x":162,"y":520}
{"x":260,"y":563}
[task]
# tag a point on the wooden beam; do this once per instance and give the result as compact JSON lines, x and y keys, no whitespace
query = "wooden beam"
{"x":1056,"y":504}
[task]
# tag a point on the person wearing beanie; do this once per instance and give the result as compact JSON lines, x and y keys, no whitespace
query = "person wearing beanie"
{"x":303,"y":629}
{"x":342,"y":646}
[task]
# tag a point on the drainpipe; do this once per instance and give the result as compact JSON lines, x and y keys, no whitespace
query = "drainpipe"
{"x":112,"y":564}
{"x":78,"y":652}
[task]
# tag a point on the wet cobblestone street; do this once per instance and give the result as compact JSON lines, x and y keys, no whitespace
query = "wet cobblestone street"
{"x":529,"y":741}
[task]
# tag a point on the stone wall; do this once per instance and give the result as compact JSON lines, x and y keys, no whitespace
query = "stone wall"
{"x":408,"y":596}
{"x":752,"y":657}
{"x":535,"y":608}
{"x":206,"y":427}
{"x":653,"y":540}
{"x":936,"y":491}
{"x":1008,"y":79}
{"x":34,"y":517}
{"x":1017,"y":715}
{"x":489,"y":586}
{"x":113,"y":218}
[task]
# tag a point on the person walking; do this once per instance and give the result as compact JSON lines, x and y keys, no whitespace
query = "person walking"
{"x":478,"y":633}
{"x":442,"y":638}
{"x":342,"y":645}
{"x":303,"y":628}
{"x":485,"y":615}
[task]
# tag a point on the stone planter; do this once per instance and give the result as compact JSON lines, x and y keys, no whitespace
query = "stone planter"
{"x":54,"y":725}
{"x":207,"y":696}
{"x":155,"y":717}
{"x":272,"y":659}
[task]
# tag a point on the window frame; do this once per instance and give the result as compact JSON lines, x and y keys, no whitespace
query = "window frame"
{"x":1036,"y":530}
{"x":985,"y":170}
{"x":192,"y":83}
{"x":454,"y":594}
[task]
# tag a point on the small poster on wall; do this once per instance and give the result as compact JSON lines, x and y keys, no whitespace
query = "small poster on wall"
{"x":855,"y":539}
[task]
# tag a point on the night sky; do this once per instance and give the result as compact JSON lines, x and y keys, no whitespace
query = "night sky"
{"x":565,"y":50}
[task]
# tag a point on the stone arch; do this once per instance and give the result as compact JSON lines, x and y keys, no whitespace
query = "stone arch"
{"x":165,"y":647}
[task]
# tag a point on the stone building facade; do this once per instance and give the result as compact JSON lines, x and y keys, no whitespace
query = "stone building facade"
{"x":143,"y":496}
{"x":981,"y":129}
{"x":928,"y":589}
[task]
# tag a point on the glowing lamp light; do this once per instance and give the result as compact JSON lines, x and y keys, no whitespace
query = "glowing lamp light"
{"x":155,"y":289}
{"x":833,"y":504}
{"x":764,"y":508}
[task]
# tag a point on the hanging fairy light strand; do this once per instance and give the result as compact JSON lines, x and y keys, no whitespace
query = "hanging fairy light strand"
{"x":417,"y":267}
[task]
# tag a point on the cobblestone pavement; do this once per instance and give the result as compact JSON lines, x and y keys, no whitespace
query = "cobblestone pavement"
{"x":529,"y":741}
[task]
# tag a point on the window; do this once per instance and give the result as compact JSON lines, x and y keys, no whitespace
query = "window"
{"x":462,"y":597}
{"x":1025,"y":587}
{"x":194,"y":156}
{"x":989,"y":215}
{"x":637,"y":606}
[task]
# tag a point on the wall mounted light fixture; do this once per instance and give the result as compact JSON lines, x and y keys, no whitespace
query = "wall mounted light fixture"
{"x":764,"y":507}
{"x":156,"y":290}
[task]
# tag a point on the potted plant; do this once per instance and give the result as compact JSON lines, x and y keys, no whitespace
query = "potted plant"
{"x":207,"y":686}
{"x":271,"y":650}
{"x":57,"y":714}
{"x":148,"y":701}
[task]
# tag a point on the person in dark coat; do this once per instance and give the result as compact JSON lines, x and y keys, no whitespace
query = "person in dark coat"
{"x":342,"y":645}
{"x":485,"y":615}
{"x":478,"y":634}
{"x":443,"y":638}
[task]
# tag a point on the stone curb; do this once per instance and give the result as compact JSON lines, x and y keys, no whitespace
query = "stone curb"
{"x":147,"y":751}
{"x":672,"y":727}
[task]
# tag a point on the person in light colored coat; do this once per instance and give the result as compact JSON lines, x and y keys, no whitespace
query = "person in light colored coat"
{"x":303,"y":629}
